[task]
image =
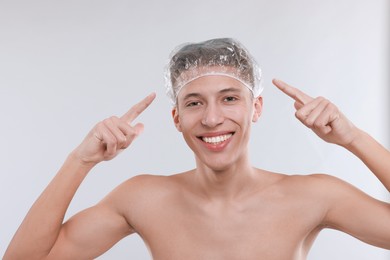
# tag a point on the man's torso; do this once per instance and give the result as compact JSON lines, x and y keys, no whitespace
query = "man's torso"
{"x":279,"y":220}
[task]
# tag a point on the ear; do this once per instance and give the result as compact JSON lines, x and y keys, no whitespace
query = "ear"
{"x":176,"y":119}
{"x":258,"y":108}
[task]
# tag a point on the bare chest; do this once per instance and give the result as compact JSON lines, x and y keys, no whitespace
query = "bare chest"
{"x":266,"y":230}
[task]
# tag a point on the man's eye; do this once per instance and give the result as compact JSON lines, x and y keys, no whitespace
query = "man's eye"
{"x":193,"y":104}
{"x":230,"y":99}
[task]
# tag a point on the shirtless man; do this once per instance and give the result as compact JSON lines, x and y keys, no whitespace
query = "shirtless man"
{"x":224,"y":208}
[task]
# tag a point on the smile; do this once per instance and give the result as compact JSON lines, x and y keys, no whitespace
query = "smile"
{"x":216,"y":139}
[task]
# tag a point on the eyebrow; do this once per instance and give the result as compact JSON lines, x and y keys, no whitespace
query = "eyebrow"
{"x":191,"y":95}
{"x":197,"y":95}
{"x":236,"y":90}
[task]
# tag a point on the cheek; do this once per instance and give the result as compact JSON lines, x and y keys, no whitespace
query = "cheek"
{"x":239,"y":114}
{"x":187,"y":121}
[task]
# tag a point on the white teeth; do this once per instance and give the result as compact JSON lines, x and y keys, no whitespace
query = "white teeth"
{"x":216,"y":139}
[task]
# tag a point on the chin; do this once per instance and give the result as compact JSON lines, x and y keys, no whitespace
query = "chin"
{"x":215,"y":164}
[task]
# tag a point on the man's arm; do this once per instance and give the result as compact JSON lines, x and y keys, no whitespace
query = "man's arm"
{"x":42,"y":233}
{"x":352,"y":211}
{"x":373,"y":154}
{"x":331,"y":125}
{"x":347,"y":208}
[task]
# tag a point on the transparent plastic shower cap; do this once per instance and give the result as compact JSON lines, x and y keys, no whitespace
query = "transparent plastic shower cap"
{"x":223,"y":56}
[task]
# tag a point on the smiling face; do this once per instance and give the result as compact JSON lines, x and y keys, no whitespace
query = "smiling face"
{"x":214,"y":114}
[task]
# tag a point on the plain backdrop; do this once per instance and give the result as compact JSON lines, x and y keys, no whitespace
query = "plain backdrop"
{"x":65,"y":65}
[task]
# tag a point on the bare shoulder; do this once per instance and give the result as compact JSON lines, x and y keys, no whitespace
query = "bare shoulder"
{"x":323,"y":194}
{"x":148,"y":185}
{"x":330,"y":192}
{"x":331,"y":187}
{"x":316,"y":182}
{"x":319,"y":187}
{"x":144,"y":195}
{"x":145,"y":190}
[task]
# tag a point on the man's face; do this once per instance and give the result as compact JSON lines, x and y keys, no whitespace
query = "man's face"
{"x":214,"y":114}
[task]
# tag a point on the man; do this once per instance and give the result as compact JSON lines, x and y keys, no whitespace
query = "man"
{"x":224,"y":208}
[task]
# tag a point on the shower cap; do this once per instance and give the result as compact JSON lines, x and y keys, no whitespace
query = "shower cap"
{"x":222,"y":56}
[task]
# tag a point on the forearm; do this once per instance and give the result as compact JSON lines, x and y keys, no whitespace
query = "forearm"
{"x":39,"y":231}
{"x":41,"y":226}
{"x":373,"y":154}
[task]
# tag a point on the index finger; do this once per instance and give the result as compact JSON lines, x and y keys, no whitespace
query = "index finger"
{"x":138,"y":108}
{"x":292,"y":92}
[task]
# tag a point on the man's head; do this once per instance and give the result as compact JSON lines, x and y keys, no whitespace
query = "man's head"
{"x":224,"y":56}
{"x":215,"y":88}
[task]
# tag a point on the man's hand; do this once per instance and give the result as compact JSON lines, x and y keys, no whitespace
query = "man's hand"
{"x":320,"y":115}
{"x":112,"y":135}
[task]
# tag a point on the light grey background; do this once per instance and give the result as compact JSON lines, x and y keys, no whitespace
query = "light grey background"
{"x":65,"y":65}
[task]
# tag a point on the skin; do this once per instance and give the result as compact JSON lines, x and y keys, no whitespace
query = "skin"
{"x":222,"y":209}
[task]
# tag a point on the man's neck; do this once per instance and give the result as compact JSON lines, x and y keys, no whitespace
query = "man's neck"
{"x":227,"y":183}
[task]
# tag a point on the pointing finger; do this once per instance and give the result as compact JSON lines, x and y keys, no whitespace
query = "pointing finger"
{"x":138,"y":108}
{"x":292,"y":92}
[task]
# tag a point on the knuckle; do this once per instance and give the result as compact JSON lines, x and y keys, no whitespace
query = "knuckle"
{"x":318,"y":124}
{"x":333,"y":107}
{"x":106,"y":121}
{"x":326,"y":102}
{"x":110,"y":141}
{"x":114,"y":118}
{"x":100,"y":127}
{"x":122,"y":142}
{"x":309,"y":122}
{"x":110,"y":120}
{"x":299,"y":114}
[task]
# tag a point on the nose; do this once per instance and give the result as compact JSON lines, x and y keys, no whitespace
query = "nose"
{"x":212,"y":116}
